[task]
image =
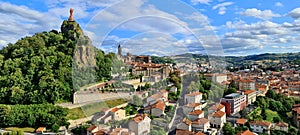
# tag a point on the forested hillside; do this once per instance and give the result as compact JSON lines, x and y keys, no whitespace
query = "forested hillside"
{"x":38,"y":69}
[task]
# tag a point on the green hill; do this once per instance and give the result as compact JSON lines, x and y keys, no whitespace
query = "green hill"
{"x":38,"y":69}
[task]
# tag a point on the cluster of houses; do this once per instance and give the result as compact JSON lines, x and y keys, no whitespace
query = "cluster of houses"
{"x":195,"y":122}
{"x":138,"y":124}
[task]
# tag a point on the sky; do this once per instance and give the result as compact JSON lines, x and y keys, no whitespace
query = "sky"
{"x":163,"y":27}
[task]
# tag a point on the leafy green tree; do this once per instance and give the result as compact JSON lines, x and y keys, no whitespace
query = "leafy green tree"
{"x":271,"y":94}
{"x":276,"y":119}
{"x":228,"y":130}
{"x":243,"y":113}
{"x":136,"y":100}
{"x":55,"y":127}
{"x":292,"y":131}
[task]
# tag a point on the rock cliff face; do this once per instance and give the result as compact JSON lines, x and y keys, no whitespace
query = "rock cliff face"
{"x":84,"y":54}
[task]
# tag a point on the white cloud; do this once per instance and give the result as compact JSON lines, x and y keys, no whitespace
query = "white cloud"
{"x":222,"y":7}
{"x":194,"y":2}
{"x":295,"y":13}
{"x":19,"y":21}
{"x":278,"y":4}
{"x":261,"y":14}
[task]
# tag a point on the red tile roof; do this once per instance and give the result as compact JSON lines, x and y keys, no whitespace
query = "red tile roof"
{"x":40,"y":129}
{"x":194,"y":94}
{"x":115,"y":110}
{"x":184,"y":132}
{"x":219,"y":114}
{"x":246,"y":92}
{"x":246,"y":81}
{"x":92,"y":127}
{"x":139,"y":117}
{"x":216,"y":107}
{"x":241,"y":121}
{"x":200,"y":121}
{"x":247,"y":132}
{"x":159,"y":105}
{"x":200,"y":133}
{"x":196,"y":112}
{"x":282,"y":124}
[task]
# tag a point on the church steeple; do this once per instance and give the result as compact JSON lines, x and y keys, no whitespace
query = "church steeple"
{"x":119,"y":50}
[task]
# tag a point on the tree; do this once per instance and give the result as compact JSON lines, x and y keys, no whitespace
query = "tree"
{"x":243,"y":113}
{"x":55,"y":127}
{"x":193,"y":87}
{"x":228,"y":130}
{"x":136,"y":100}
{"x":229,"y":91}
{"x":271,"y":94}
{"x":276,"y":119}
{"x":292,"y":131}
{"x":263,"y":113}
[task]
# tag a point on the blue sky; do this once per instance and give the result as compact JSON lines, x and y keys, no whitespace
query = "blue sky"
{"x":164,"y":27}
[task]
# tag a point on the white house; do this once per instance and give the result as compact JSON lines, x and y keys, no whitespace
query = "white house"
{"x":194,"y":97}
{"x":260,"y":126}
{"x":217,"y":119}
{"x":200,"y":124}
{"x":217,"y":78}
{"x":140,"y":124}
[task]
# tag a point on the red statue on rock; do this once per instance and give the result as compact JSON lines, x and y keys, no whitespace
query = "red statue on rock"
{"x":71,"y":15}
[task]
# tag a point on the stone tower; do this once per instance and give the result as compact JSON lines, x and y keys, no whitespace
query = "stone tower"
{"x":120,"y":51}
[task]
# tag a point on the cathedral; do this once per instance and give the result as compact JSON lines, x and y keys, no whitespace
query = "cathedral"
{"x":142,"y":65}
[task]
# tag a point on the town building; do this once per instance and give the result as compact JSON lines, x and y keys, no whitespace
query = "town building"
{"x":200,"y":124}
{"x":260,"y":126}
{"x":296,"y":115}
{"x":194,"y":97}
{"x":234,"y":103}
{"x":217,"y":119}
{"x":250,"y":96}
{"x":282,"y":126}
{"x":140,"y":124}
{"x":191,"y":107}
{"x":246,"y":84}
{"x":156,"y":109}
{"x":215,"y":108}
{"x":216,"y":78}
{"x":185,"y":124}
{"x":193,"y":115}
{"x":241,"y":122}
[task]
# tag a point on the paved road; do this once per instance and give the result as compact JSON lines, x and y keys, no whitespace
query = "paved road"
{"x":179,"y":113}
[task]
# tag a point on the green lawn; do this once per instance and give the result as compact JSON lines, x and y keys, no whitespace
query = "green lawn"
{"x":75,"y":113}
{"x":26,"y":129}
{"x":90,"y":109}
{"x":270,"y":115}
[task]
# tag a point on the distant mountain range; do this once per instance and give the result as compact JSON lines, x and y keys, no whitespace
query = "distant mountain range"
{"x":239,"y":60}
